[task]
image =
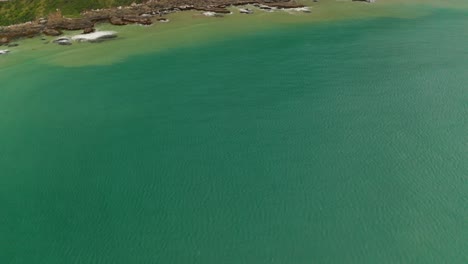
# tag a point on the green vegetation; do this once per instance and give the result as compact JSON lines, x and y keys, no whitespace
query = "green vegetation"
{"x":18,"y":11}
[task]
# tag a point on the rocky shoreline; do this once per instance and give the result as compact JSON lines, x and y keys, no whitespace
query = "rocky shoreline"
{"x":143,"y":14}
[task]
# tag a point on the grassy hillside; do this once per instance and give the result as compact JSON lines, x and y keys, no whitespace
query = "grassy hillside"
{"x":17,"y":11}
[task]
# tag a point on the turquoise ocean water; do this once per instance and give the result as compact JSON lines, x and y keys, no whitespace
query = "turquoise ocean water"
{"x":338,"y":142}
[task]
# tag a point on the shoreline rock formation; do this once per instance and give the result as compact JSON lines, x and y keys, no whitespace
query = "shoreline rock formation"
{"x":56,"y":23}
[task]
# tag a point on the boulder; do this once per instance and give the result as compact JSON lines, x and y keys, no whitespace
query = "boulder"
{"x":4,"y":40}
{"x":64,"y":41}
{"x":88,"y":30}
{"x":117,"y":21}
{"x":138,"y":20}
{"x":52,"y":32}
{"x":70,"y":23}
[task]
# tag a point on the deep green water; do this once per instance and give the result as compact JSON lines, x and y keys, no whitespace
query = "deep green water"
{"x":340,"y":142}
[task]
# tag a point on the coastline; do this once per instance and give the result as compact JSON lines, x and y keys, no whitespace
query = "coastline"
{"x":142,"y":14}
{"x":345,"y":134}
{"x":152,"y":11}
{"x":191,"y":27}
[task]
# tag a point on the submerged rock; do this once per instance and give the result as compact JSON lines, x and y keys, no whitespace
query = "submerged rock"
{"x":64,"y":41}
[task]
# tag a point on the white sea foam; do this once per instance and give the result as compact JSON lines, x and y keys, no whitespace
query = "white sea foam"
{"x":210,"y":14}
{"x":95,"y":36}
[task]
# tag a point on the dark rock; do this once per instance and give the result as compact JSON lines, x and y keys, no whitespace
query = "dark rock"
{"x":70,"y":23}
{"x":63,"y":41}
{"x":88,"y":30}
{"x":117,"y":21}
{"x":138,"y":20}
{"x":52,"y":32}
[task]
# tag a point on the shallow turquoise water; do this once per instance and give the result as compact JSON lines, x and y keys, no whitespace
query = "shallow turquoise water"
{"x":332,"y":143}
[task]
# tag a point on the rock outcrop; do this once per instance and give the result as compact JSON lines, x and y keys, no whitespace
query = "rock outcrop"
{"x":136,"y":13}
